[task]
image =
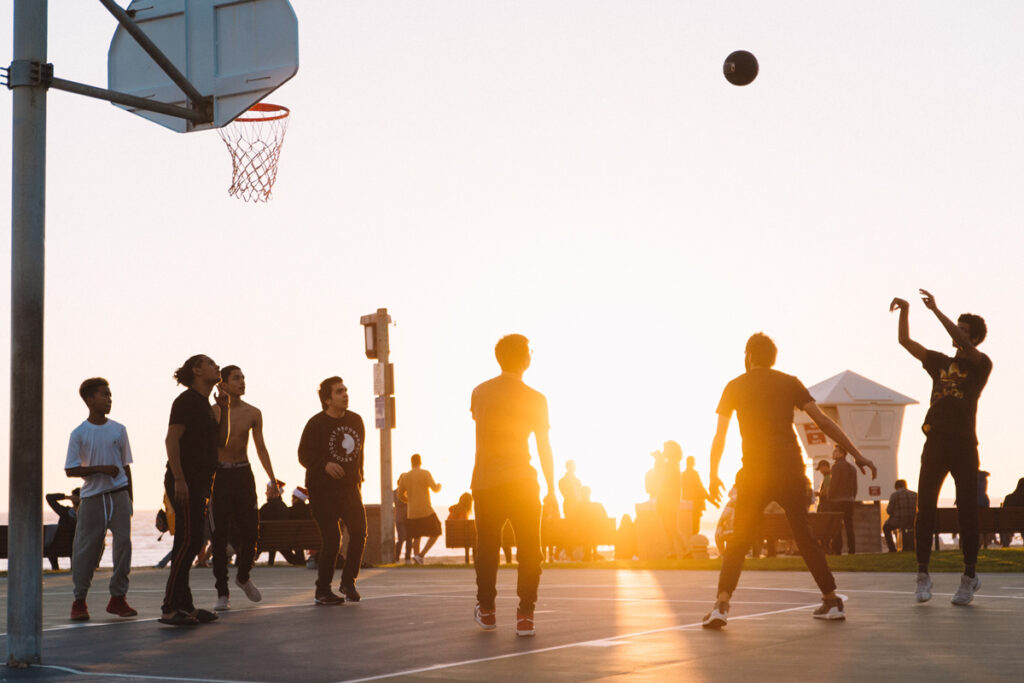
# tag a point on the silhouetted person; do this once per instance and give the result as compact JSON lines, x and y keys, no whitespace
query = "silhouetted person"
{"x":233,"y":503}
{"x":331,"y":450}
{"x":504,"y":484}
{"x":193,"y":437}
{"x":1012,"y":500}
{"x":592,"y":515}
{"x":569,"y":486}
{"x":98,"y":451}
{"x":773,"y":469}
{"x":668,"y":495}
{"x":951,"y":441}
{"x":402,"y":527}
{"x":275,"y":509}
{"x":414,"y":487}
{"x":842,"y":497}
{"x":695,"y":493}
{"x":901,"y":510}
{"x":825,"y":469}
{"x":462,"y":509}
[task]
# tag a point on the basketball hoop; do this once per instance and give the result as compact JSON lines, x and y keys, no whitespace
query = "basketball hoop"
{"x":254,"y":140}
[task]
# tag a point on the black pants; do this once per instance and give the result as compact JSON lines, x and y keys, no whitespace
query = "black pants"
{"x":754,"y":491}
{"x":519,"y":503}
{"x":942,"y":456}
{"x":189,"y":520}
{"x":233,"y":505}
{"x":329,"y":507}
{"x":845,"y":507}
{"x":906,"y":529}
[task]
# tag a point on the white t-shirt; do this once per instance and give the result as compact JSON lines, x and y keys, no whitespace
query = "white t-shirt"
{"x":94,"y":445}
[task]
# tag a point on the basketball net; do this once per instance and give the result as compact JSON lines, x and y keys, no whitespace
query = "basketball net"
{"x":254,"y":140}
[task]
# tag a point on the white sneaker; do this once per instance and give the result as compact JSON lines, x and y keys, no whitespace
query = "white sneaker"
{"x":965,"y":593}
{"x":250,"y":590}
{"x":717,"y":617}
{"x":831,"y":609}
{"x":418,"y":559}
{"x":923,"y":593}
{"x":222,"y":603}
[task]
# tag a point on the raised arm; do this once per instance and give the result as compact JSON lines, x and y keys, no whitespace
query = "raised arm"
{"x":836,"y":433}
{"x":262,"y":453}
{"x":715,"y":485}
{"x":961,"y":338}
{"x":223,"y":416}
{"x":916,"y":350}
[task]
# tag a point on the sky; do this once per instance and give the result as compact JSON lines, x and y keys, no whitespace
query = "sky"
{"x":578,"y":172}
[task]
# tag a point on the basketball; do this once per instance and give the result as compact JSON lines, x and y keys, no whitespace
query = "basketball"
{"x":740,"y":68}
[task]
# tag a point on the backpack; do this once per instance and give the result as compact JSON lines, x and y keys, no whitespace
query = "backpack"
{"x":161,"y":521}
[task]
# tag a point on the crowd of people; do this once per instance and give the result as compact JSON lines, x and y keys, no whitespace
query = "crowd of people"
{"x":208,"y":469}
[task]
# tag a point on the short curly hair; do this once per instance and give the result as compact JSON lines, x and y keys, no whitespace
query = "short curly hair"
{"x":976,"y":325}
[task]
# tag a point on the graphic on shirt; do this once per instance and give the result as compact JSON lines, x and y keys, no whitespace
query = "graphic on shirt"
{"x":950,"y":382}
{"x":343,"y":444}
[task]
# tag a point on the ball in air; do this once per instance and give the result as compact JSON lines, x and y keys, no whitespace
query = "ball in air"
{"x":740,"y":68}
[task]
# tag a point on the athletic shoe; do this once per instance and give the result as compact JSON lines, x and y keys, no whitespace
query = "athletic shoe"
{"x":831,"y":609}
{"x":924,"y":587}
{"x":965,"y":593}
{"x":223,"y":603}
{"x":717,"y":617}
{"x":418,"y":559}
{"x":250,"y":590}
{"x":351,"y":594}
{"x":119,"y":606}
{"x":205,"y":616}
{"x":328,"y":598}
{"x":524,"y":624}
{"x":79,"y":611}
{"x":485,"y":618}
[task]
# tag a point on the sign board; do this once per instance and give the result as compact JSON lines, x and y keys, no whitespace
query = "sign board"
{"x":237,"y":51}
{"x":384,"y":407}
{"x":383,"y":379}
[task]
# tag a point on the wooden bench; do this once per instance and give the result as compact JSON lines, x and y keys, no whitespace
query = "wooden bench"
{"x":1004,"y":521}
{"x":288,"y":534}
{"x":58,"y":541}
{"x":775,"y":527}
{"x":460,"y":533}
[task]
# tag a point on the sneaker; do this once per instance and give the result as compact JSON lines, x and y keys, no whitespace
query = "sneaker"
{"x":965,"y":593}
{"x":831,"y":609}
{"x":250,"y":590}
{"x":328,"y":598}
{"x":223,"y":603}
{"x":79,"y":611}
{"x":717,"y":617}
{"x":524,"y":624}
{"x":119,"y":606}
{"x":485,"y":618}
{"x":418,"y":559}
{"x":350,"y":592}
{"x":923,"y":593}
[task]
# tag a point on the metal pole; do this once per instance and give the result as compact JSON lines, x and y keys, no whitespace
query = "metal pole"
{"x":28,"y":225}
{"x":387,"y":508}
{"x":129,"y":100}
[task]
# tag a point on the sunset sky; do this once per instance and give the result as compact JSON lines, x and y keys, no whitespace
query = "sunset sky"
{"x":578,"y":172}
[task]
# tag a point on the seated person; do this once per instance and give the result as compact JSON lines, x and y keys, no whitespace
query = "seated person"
{"x":276,"y":509}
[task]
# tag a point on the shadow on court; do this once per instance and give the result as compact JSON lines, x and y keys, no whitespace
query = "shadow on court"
{"x":417,"y":624}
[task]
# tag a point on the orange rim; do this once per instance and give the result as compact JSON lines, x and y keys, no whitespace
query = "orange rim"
{"x":281,"y":112}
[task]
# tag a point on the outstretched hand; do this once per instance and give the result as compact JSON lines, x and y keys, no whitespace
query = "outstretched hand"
{"x":864,"y":464}
{"x":715,"y":489}
{"x":898,"y":303}
{"x":928,"y":299}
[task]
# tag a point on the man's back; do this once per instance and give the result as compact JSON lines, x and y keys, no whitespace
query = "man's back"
{"x":416,"y":483}
{"x":902,"y":507}
{"x":506,"y":412}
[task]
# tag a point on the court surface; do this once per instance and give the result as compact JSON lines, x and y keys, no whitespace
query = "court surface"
{"x":416,"y":624}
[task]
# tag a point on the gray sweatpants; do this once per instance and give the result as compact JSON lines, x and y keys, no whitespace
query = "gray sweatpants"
{"x":96,"y":514}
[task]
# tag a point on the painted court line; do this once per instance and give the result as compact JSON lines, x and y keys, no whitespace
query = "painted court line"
{"x":145,"y":677}
{"x":597,"y":642}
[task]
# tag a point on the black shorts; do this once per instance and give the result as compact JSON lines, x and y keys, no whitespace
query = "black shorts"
{"x":423,"y":526}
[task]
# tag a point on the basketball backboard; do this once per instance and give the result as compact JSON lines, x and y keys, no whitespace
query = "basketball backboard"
{"x":237,"y":51}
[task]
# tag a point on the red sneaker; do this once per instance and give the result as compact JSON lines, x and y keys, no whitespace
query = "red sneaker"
{"x":119,"y":606}
{"x":485,"y":618}
{"x":79,"y":611}
{"x":524,"y":624}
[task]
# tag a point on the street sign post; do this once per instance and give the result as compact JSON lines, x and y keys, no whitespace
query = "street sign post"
{"x":375,"y":327}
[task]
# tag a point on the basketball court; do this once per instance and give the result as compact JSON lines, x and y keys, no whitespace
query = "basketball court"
{"x":416,"y":624}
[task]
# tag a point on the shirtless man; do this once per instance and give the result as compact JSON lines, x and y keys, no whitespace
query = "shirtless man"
{"x":233,"y":503}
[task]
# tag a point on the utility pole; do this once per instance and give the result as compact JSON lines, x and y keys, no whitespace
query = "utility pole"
{"x":375,"y":327}
{"x":27,"y":79}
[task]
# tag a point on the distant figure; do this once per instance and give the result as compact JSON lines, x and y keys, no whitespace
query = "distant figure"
{"x":1014,"y":499}
{"x":331,"y":450}
{"x":193,"y":437}
{"x":726,"y":521}
{"x":402,"y":527}
{"x":951,"y":442}
{"x":842,"y":497}
{"x":569,"y":486}
{"x":414,"y":487}
{"x":275,"y":509}
{"x":902,"y":509}
{"x":764,"y":400}
{"x":651,"y":477}
{"x":626,"y":543}
{"x":669,"y":483}
{"x":462,"y":509}
{"x":299,"y":509}
{"x":99,"y":452}
{"x":67,"y":518}
{"x":504,"y":484}
{"x":695,"y":493}
{"x":233,"y":503}
{"x":592,"y":515}
{"x":983,"y":502}
{"x":169,"y":512}
{"x":825,"y":469}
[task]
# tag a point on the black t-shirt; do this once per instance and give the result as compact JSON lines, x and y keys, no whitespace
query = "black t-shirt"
{"x":198,"y":445}
{"x":956,"y":387}
{"x":763,"y":400}
{"x":330,"y":439}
